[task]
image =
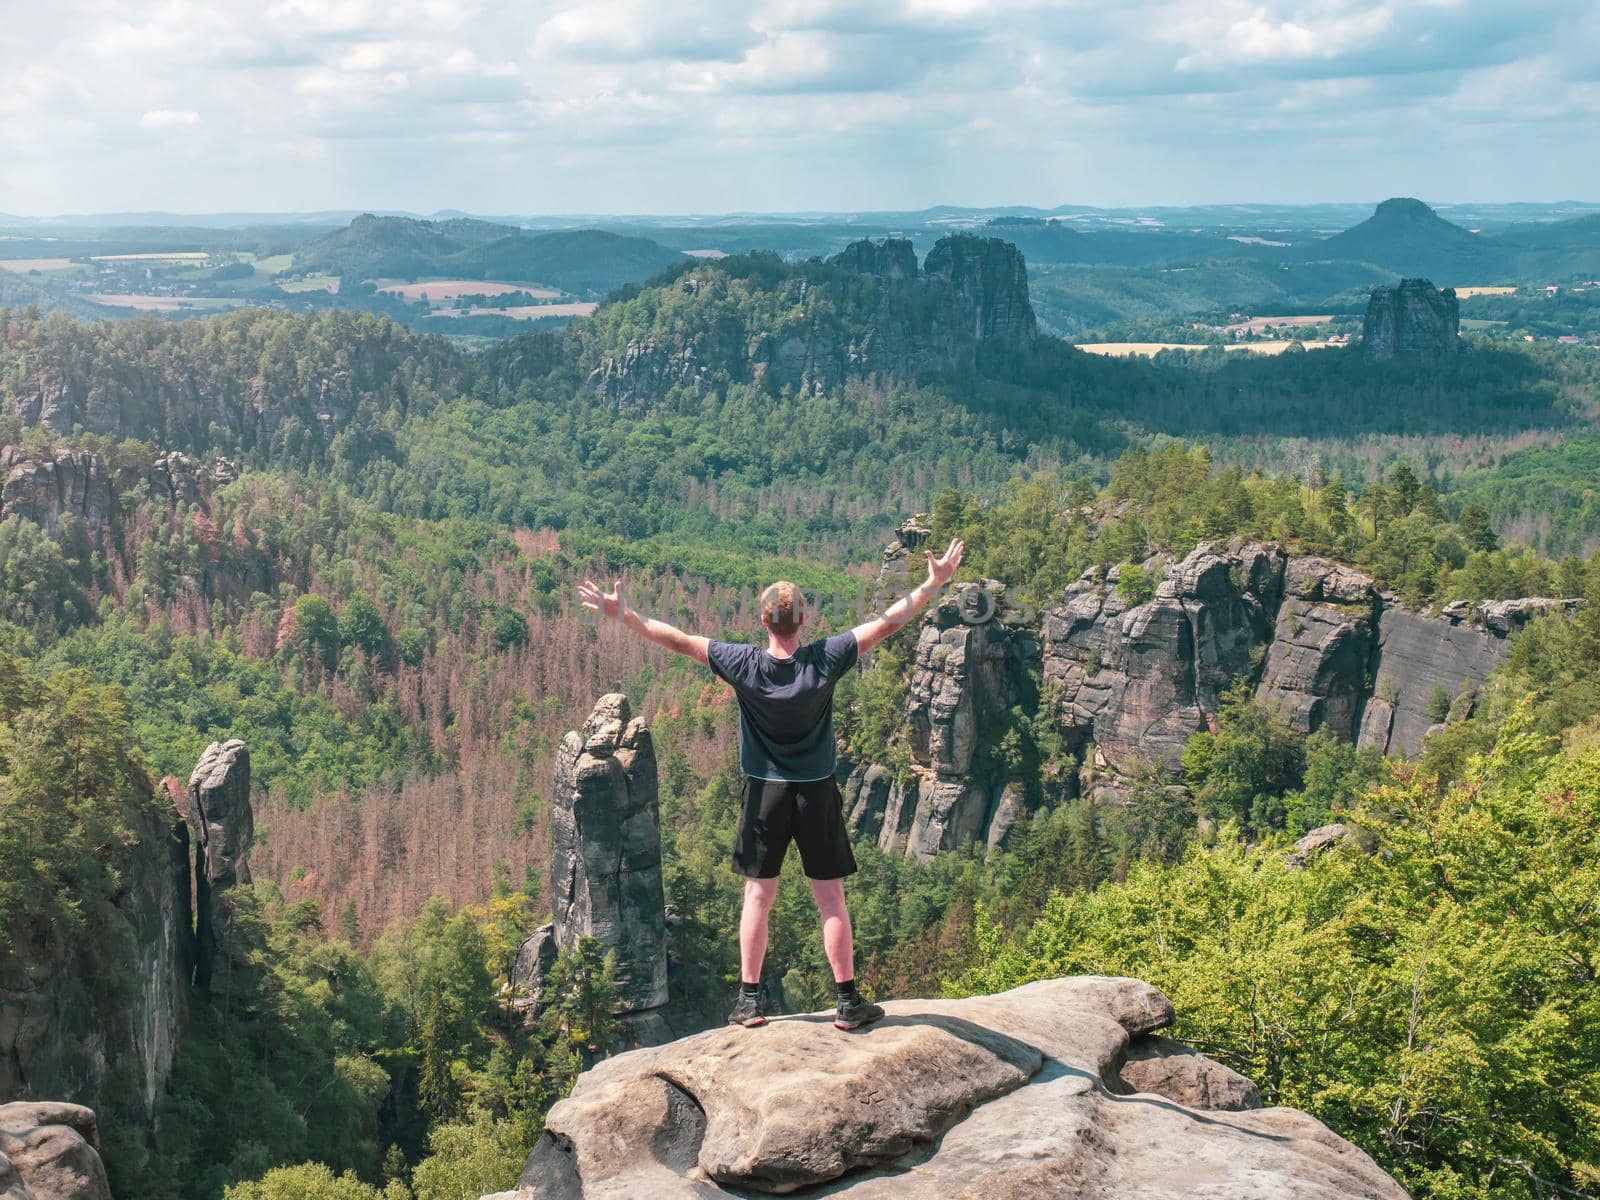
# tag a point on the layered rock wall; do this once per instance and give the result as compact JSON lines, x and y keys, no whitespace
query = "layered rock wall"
{"x":45,"y":488}
{"x":970,"y":666}
{"x":1130,"y":681}
{"x":1412,"y":320}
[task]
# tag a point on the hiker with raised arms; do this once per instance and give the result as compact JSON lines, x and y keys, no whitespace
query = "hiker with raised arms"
{"x":787,"y":754}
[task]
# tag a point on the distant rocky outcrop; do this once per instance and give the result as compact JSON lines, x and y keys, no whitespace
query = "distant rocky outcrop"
{"x":1058,"y":1088}
{"x":50,"y":1151}
{"x":44,"y":488}
{"x":1414,"y":320}
{"x":971,"y":292}
{"x":605,"y":860}
{"x":1130,"y":680}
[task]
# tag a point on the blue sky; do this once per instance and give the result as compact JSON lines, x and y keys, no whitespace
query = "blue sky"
{"x":708,"y":106}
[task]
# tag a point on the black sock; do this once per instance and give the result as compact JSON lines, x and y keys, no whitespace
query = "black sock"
{"x":749,"y":989}
{"x":846,"y":991}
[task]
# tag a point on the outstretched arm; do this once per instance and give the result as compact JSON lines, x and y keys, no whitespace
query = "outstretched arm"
{"x":614,"y":605}
{"x":904,"y":610}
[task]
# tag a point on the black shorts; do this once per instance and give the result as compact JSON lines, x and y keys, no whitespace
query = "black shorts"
{"x":777,"y":811}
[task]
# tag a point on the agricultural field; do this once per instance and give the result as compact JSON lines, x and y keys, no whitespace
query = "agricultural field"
{"x":454,"y":289}
{"x":35,"y":264}
{"x":524,"y":312}
{"x":311,"y":283}
{"x":1463,"y":293}
{"x":174,"y":256}
{"x":165,"y":304}
{"x":1150,"y":349}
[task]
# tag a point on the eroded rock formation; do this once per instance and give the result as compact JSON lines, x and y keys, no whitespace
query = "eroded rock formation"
{"x":1055,"y":1089}
{"x":1131,"y":679}
{"x":1412,"y":320}
{"x":971,"y":292}
{"x":969,"y":668}
{"x":44,"y":488}
{"x":222,"y":824}
{"x":50,"y":1151}
{"x":605,"y":857}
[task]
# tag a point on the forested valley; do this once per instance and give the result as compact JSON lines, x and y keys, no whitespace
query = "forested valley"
{"x":369,"y":577}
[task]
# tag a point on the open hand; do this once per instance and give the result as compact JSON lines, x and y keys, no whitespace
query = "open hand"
{"x":607,"y":604}
{"x":942,"y":569}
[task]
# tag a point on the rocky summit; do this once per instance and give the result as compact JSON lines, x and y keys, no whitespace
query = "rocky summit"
{"x":1414,"y":320}
{"x":1061,"y":1088}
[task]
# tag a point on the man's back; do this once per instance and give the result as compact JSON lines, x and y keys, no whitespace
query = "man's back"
{"x":785,"y":704}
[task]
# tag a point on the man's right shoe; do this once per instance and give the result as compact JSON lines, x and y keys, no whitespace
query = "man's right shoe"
{"x":856,"y":1012}
{"x":747,"y":1012}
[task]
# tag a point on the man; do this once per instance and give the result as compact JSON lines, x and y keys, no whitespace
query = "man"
{"x":786,"y":751}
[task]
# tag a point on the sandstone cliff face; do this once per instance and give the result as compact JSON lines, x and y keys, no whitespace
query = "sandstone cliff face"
{"x":1058,"y":1088}
{"x":44,"y":489}
{"x":972,"y":292}
{"x":1413,"y":320}
{"x":61,"y":1034}
{"x":969,"y":668}
{"x":605,"y":855}
{"x":62,"y":1038}
{"x":1130,"y":684}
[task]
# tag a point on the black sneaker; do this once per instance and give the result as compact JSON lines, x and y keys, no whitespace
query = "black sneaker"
{"x":747,"y":1012}
{"x":856,"y":1012}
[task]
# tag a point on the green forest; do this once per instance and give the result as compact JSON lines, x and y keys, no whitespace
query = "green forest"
{"x":381,"y":604}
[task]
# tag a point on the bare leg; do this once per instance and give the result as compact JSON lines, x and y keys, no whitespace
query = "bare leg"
{"x":758,"y":897}
{"x":837,"y":940}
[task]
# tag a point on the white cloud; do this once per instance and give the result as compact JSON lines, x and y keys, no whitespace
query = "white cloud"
{"x":636,"y":104}
{"x":168,"y":118}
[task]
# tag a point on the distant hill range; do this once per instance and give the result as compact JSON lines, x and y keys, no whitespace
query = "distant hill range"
{"x":584,"y":262}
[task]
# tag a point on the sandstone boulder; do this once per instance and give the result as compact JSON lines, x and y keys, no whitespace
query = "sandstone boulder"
{"x":1164,"y":1067}
{"x":50,"y":1151}
{"x":1022,"y":1094}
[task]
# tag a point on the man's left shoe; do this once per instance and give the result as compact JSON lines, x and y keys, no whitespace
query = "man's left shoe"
{"x":747,"y":1012}
{"x":856,"y":1012}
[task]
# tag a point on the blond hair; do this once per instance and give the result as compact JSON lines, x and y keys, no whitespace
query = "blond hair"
{"x":782,"y":608}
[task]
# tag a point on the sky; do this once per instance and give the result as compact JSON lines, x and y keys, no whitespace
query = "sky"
{"x":707,"y":106}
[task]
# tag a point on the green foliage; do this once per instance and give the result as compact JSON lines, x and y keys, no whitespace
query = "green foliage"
{"x":468,"y":1159}
{"x":1134,"y":584}
{"x":1435,"y":1002}
{"x":311,"y":1181}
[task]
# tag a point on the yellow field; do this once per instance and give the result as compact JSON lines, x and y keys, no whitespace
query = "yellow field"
{"x":311,"y":283}
{"x":1150,"y":349}
{"x":1463,"y":292}
{"x":174,"y":256}
{"x":451,"y":289}
{"x":34,"y":264}
{"x":524,"y":312}
{"x":272,"y":264}
{"x":164,"y":303}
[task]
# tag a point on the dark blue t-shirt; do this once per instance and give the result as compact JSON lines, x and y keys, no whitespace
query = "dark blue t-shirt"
{"x":785,"y":705}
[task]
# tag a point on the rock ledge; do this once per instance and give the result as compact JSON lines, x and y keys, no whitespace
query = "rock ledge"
{"x":1055,"y":1089}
